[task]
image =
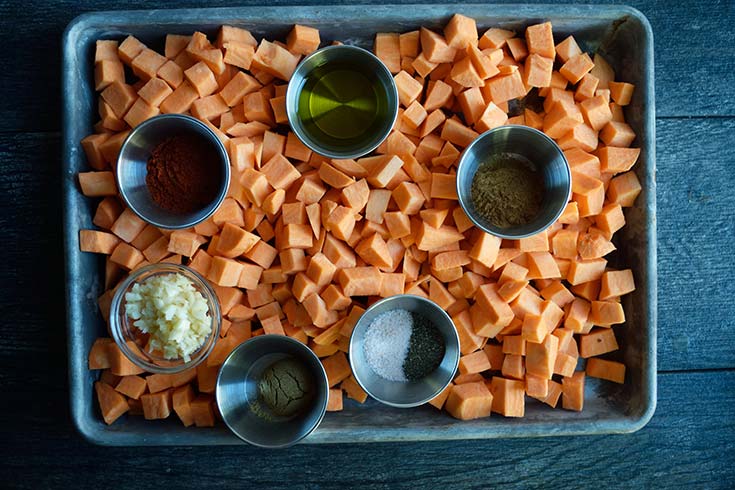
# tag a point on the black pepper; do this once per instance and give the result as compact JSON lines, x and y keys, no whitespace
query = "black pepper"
{"x":425,"y":349}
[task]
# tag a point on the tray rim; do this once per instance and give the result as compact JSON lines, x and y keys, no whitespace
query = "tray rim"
{"x":77,"y":359}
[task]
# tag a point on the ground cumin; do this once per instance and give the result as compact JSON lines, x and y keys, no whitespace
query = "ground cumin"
{"x":507,"y":191}
{"x":183,"y":174}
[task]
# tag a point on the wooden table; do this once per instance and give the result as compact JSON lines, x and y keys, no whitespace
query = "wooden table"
{"x":689,"y":441}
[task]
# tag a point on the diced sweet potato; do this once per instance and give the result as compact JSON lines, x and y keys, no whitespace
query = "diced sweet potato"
{"x":540,"y":39}
{"x":97,"y":241}
{"x":126,"y":256}
{"x":202,"y":79}
{"x":99,"y":354}
{"x":181,"y":401}
{"x":131,"y":386}
{"x":334,"y":401}
{"x":476,"y":362}
{"x":567,"y":49}
{"x":603,"y":369}
{"x":508,"y":396}
{"x":537,"y":70}
{"x":617,"y":134}
{"x":202,"y":411}
{"x":616,"y":283}
{"x":408,"y":88}
{"x":429,"y":238}
{"x":435,"y":48}
{"x":469,"y":401}
{"x":606,"y":313}
{"x":360,"y":281}
{"x":573,"y":392}
{"x":599,"y":341}
{"x":623,"y":189}
{"x":576,"y":67}
{"x":119,"y":364}
{"x":496,"y":313}
{"x":275,"y":60}
{"x":120,"y":97}
{"x":541,"y":357}
{"x":494,"y":38}
{"x":303,"y":40}
{"x":387,"y":49}
{"x":112,"y":403}
{"x":181,"y":99}
{"x":621,"y":92}
{"x":96,"y":184}
{"x":337,"y":368}
{"x":408,"y":197}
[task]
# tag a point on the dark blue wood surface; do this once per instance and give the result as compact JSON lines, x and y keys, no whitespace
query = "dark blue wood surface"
{"x":688,"y":443}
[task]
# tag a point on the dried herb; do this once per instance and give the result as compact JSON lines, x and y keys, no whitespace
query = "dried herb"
{"x":425,"y":349}
{"x":507,"y":191}
{"x":286,"y":387}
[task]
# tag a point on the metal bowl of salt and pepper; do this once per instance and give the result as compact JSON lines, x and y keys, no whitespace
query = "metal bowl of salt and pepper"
{"x":404,"y":350}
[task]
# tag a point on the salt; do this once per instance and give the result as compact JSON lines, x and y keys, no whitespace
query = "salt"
{"x":387,"y":339}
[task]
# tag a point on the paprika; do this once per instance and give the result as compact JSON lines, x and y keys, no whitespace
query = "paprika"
{"x":183,"y":174}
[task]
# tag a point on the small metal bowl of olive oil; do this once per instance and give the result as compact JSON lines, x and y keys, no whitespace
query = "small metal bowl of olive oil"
{"x":513,"y":181}
{"x":342,"y":102}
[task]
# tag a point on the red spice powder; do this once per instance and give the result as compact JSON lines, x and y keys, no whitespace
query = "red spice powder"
{"x":183,"y":174}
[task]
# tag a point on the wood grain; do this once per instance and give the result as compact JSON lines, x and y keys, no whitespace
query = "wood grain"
{"x":685,"y":35}
{"x":689,"y":443}
{"x":696,"y":243}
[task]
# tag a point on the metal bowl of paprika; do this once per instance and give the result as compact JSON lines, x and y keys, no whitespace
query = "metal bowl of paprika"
{"x":513,"y":181}
{"x":173,"y":171}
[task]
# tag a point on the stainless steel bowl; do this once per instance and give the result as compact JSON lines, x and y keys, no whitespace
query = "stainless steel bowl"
{"x":409,"y":393}
{"x":133,"y":158}
{"x":237,"y":390}
{"x":536,"y":147}
{"x":371,"y":65}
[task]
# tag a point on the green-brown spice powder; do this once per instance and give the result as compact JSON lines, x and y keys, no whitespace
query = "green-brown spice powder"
{"x":507,"y":191}
{"x":286,"y":387}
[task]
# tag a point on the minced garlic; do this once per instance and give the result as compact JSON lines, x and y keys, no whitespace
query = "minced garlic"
{"x":173,"y":312}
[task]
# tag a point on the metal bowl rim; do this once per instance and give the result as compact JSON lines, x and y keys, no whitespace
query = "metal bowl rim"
{"x":292,"y":97}
{"x":512,"y":127}
{"x":211,"y":136}
{"x":454,"y":337}
{"x":281,"y":338}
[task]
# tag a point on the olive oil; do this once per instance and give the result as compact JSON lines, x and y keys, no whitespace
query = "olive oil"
{"x":342,"y":106}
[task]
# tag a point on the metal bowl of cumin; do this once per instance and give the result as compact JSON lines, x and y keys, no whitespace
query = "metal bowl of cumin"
{"x":513,"y":181}
{"x":173,"y":171}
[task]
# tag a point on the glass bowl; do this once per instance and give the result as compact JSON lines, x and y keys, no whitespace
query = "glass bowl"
{"x":132,"y":341}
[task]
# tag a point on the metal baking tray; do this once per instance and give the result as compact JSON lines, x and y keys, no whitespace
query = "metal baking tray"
{"x":622,"y":34}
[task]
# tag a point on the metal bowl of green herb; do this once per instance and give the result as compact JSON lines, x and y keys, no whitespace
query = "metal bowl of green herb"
{"x":404,"y":350}
{"x":272,"y":391}
{"x":513,"y":181}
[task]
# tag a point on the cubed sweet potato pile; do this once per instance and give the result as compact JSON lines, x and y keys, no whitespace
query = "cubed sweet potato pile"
{"x":303,"y":244}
